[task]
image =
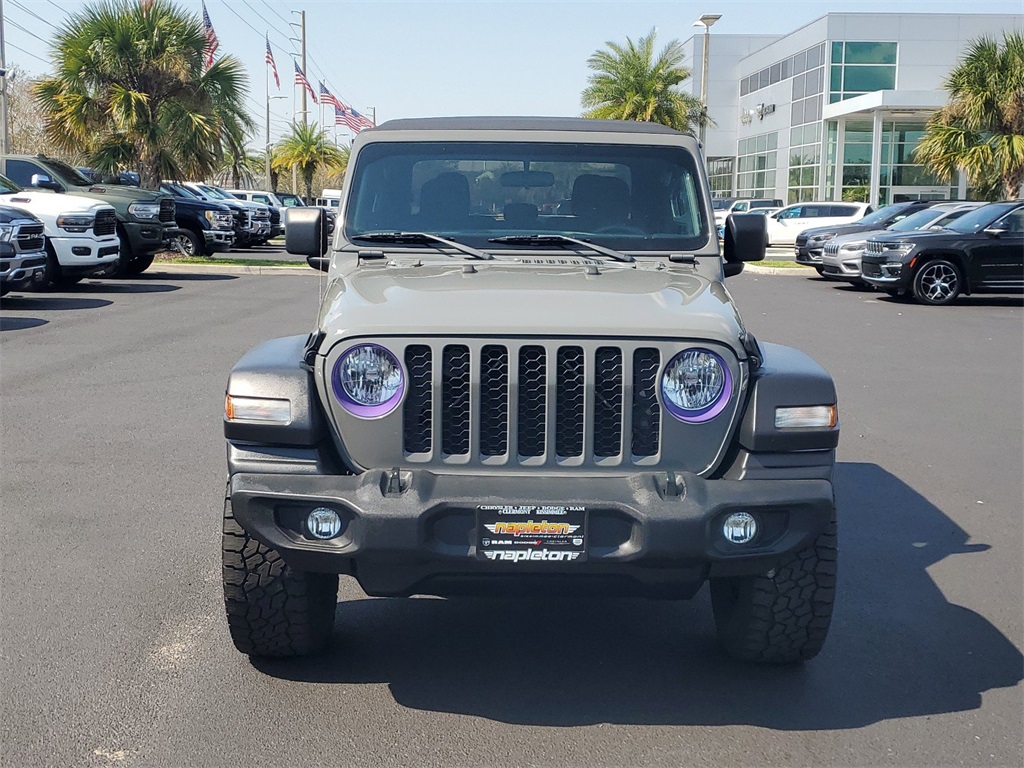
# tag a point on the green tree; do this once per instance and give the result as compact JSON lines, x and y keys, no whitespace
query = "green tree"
{"x":131,"y":87}
{"x":630,"y":83}
{"x":981,"y":128}
{"x":309,"y":148}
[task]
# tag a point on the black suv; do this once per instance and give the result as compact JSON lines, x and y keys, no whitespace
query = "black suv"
{"x":811,"y":242}
{"x":981,"y":252}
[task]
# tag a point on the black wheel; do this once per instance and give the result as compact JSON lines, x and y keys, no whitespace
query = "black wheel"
{"x":272,"y":609}
{"x":782,"y":616}
{"x":187,"y":243}
{"x":138,"y":265}
{"x":53,"y":275}
{"x":937,"y":282}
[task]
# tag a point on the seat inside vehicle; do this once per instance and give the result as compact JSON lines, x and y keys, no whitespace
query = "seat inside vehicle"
{"x":521,"y":215}
{"x":600,"y":201}
{"x":444,"y":202}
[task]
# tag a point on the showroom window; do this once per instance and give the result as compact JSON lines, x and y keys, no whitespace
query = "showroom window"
{"x":861,"y":67}
{"x":757,"y":160}
{"x":720,"y":175}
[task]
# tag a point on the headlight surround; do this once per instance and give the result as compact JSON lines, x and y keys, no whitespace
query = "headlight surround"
{"x":75,"y":222}
{"x":144,"y":210}
{"x":696,"y":385}
{"x":368,"y":381}
{"x":821,"y":237}
{"x":6,"y":230}
{"x":897,"y":249}
{"x":860,"y":245}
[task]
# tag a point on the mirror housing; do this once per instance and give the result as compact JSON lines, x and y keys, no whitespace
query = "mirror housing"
{"x":995,"y":231}
{"x":746,"y":238}
{"x":42,"y":181}
{"x":306,"y":235}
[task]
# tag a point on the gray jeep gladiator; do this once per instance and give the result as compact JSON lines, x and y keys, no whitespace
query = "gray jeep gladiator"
{"x":528,"y":376}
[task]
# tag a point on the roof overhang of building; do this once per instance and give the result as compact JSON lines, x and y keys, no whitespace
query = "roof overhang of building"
{"x":888,"y":101}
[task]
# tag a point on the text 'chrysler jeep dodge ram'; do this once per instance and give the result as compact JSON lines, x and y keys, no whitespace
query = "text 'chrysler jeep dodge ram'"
{"x":527,"y":376}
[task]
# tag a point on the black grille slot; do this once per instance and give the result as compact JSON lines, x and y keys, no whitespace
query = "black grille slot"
{"x":417,"y":416}
{"x":532,"y":400}
{"x":608,"y":402}
{"x":29,"y":238}
{"x":493,"y":400}
{"x":646,"y":409}
{"x":167,"y":210}
{"x":106,"y":223}
{"x":455,"y":399}
{"x":571,"y":394}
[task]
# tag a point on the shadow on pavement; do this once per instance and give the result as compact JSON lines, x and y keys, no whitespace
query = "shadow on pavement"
{"x":977,"y":300}
{"x":897,"y":647}
{"x":44,"y":302}
{"x":20,"y":323}
{"x":124,"y":287}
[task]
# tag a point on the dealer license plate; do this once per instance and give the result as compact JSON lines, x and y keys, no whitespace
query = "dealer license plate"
{"x":531,"y":534}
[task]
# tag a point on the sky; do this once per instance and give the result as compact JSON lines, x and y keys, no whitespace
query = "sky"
{"x":432,"y":58}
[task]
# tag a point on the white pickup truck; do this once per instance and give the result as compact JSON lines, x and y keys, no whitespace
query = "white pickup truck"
{"x":80,"y":232}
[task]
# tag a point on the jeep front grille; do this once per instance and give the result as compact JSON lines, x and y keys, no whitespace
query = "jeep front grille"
{"x":106,"y":222}
{"x":537,"y":401}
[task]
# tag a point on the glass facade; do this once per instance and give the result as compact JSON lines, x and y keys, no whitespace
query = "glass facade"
{"x":804,"y":162}
{"x":783,"y":70}
{"x":861,"y":67}
{"x":720,"y":171}
{"x":758,"y":159}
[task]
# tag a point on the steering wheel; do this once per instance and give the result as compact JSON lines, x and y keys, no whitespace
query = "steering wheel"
{"x":619,"y":229}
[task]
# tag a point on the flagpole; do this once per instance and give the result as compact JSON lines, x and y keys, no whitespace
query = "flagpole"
{"x":295,"y":168}
{"x":266,"y":148}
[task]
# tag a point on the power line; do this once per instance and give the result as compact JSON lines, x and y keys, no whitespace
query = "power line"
{"x":33,"y":14}
{"x":9,"y":44}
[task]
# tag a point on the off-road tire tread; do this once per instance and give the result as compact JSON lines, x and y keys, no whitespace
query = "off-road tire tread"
{"x":783,"y":616}
{"x":272,"y":609}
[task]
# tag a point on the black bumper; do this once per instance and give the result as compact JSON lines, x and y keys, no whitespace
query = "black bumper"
{"x":810,"y":256}
{"x":416,"y":532}
{"x":146,"y":238}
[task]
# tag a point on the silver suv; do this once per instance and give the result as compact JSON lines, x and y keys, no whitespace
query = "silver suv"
{"x":527,"y":377}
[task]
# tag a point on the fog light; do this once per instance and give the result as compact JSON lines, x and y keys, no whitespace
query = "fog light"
{"x":739,"y":528}
{"x":323,"y":523}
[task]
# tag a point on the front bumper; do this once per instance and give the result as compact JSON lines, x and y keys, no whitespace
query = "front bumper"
{"x":804,"y":254}
{"x":85,"y":254}
{"x":889,"y":274}
{"x":21,"y":267}
{"x":834,"y":267}
{"x":147,"y":237}
{"x":219,"y":239}
{"x":409,"y":532}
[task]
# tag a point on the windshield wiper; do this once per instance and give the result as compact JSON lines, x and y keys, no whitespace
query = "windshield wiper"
{"x":545,"y":239}
{"x":421,"y":238}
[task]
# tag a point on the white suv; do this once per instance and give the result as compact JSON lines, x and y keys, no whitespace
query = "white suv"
{"x":744,"y":205}
{"x":785,"y":225}
{"x":81,"y":232}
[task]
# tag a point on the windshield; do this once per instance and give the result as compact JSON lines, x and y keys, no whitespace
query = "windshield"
{"x":213,"y":192}
{"x":67,"y":174}
{"x":182,"y":191}
{"x":721,"y":203}
{"x":978,"y":219}
{"x":8,"y":187}
{"x":623,"y":196}
{"x":881,"y":215}
{"x":917,"y":220}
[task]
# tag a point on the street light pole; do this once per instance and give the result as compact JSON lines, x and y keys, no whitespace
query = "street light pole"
{"x":705,"y":21}
{"x":5,"y":145}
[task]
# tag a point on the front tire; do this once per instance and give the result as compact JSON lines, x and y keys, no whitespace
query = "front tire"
{"x":188,"y":243}
{"x":272,"y":609}
{"x":783,"y":616}
{"x":938,"y":283}
{"x":138,"y":265}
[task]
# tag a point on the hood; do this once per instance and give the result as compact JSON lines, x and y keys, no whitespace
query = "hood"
{"x":517,"y":299}
{"x":838,"y":229}
{"x":855,"y":237}
{"x":43,"y":203}
{"x":918,"y":237}
{"x":119,"y":192}
{"x":9,"y":214}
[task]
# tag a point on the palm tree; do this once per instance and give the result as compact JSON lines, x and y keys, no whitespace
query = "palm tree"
{"x":131,"y":87}
{"x":308,"y":147}
{"x":981,"y":129}
{"x":630,"y":83}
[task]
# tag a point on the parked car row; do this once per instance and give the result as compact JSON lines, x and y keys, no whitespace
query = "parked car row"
{"x":932,"y":251}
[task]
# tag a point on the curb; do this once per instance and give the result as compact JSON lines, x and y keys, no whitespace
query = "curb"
{"x":229,"y":269}
{"x":790,"y":271}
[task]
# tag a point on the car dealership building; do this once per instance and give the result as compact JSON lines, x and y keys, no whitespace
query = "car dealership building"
{"x":832,"y":110}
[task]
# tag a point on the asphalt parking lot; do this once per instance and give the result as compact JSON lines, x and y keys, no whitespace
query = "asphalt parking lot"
{"x":113,"y":644}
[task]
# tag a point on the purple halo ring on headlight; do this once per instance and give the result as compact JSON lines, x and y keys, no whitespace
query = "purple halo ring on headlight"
{"x":712,"y":409}
{"x":347,"y":398}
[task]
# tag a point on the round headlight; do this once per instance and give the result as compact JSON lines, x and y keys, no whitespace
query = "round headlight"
{"x":696,"y":385}
{"x":368,"y":380}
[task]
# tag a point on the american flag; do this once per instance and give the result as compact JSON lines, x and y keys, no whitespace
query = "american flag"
{"x":326,"y":97}
{"x":212,"y":43}
{"x":351,"y":119}
{"x":273,"y":64}
{"x":300,"y":79}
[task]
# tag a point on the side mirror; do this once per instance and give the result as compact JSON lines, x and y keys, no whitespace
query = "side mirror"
{"x":746,"y":237}
{"x":306,"y":235}
{"x":42,"y":181}
{"x":995,"y":231}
